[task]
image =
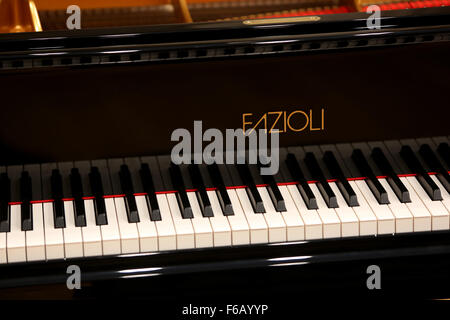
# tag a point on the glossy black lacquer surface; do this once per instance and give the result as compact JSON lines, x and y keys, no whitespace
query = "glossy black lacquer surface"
{"x":411,"y":264}
{"x":351,"y":25}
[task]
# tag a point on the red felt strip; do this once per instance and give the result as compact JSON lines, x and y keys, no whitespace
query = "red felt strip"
{"x":262,"y":185}
{"x":357,"y":178}
{"x":42,"y":201}
{"x":236,"y":187}
{"x":165,"y":192}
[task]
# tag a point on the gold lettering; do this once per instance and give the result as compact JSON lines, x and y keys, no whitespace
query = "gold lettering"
{"x":244,"y":123}
{"x":276,"y":121}
{"x":259,"y":121}
{"x":289,"y":121}
{"x":323,"y":119}
{"x":311,"y":122}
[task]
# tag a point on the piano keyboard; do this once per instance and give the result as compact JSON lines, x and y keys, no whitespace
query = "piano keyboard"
{"x":146,"y":204}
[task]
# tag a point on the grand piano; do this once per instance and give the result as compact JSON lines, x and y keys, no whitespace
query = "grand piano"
{"x":86,"y":177}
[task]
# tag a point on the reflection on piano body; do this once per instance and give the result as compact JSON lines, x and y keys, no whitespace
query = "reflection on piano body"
{"x":86,"y":176}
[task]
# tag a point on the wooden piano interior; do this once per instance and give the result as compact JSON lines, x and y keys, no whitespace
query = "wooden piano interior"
{"x":38,"y":15}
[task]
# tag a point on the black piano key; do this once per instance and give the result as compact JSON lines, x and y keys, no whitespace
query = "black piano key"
{"x":424,"y":179}
{"x":96,"y":183}
{"x":149,"y":188}
{"x":134,"y":165}
{"x":444,"y":152}
{"x":125,"y":179}
{"x":303,"y":187}
{"x":156,"y":173}
{"x":34,"y":171}
{"x":324,"y":187}
{"x":394,"y":181}
{"x":84,"y":168}
{"x":272,"y":187}
{"x":434,"y":164}
{"x":127,"y":188}
{"x":5,"y":222}
{"x":65,"y":170}
{"x":99,"y":206}
{"x":222,"y":194}
{"x":252,"y":191}
{"x":274,"y":193}
{"x":14,"y":173}
{"x":202,"y":196}
{"x":131,"y":206}
{"x":206,"y":177}
{"x":57,"y":195}
{"x":26,"y":195}
{"x":178,"y":184}
{"x":283,"y":175}
{"x":342,"y":182}
{"x":5,"y":196}
{"x":77,"y":193}
{"x":375,"y":186}
{"x":114,"y":169}
{"x":103,"y":170}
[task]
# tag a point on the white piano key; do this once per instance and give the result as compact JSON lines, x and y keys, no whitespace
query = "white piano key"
{"x":202,"y":226}
{"x":274,"y":219}
{"x":256,"y":222}
{"x":348,"y":218}
{"x":404,"y":221}
{"x":365,"y":215}
{"x":148,"y":236}
{"x":367,"y":219}
{"x":129,"y":236}
{"x":167,"y":238}
{"x":445,"y":194}
{"x":110,"y":232}
{"x":330,"y":221}
{"x":219,"y":223}
{"x":92,"y":238}
{"x":311,"y":219}
{"x":183,"y":227}
{"x":385,"y":218}
{"x":295,"y":228}
{"x":35,"y":238}
{"x":15,"y":239}
{"x":73,"y":238}
{"x":3,"y":255}
{"x":439,"y":214}
{"x":240,"y":230}
{"x":421,"y":215}
{"x":54,"y":238}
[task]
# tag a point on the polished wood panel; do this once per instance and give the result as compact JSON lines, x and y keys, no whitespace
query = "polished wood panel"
{"x":18,"y":16}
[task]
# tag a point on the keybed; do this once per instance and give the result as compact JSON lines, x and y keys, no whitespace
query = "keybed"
{"x":148,"y":204}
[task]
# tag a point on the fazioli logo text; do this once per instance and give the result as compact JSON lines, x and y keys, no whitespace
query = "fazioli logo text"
{"x":285,"y":121}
